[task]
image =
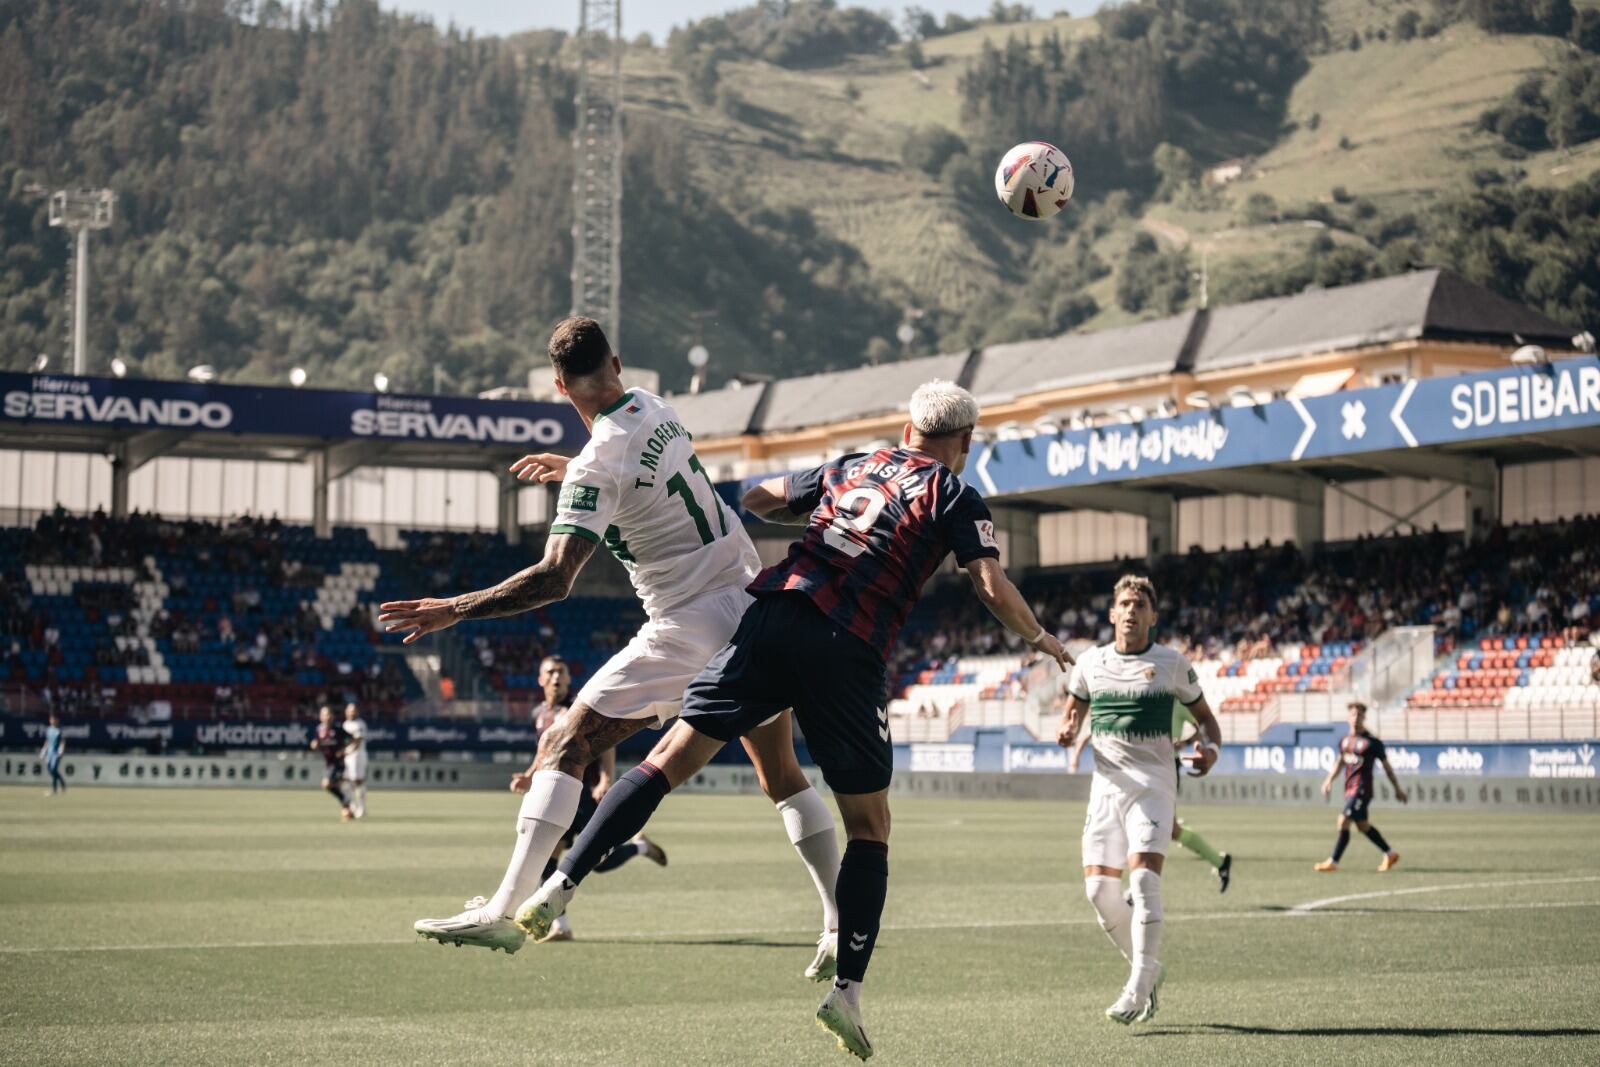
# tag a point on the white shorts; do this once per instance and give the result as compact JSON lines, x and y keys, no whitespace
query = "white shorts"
{"x":647,"y":678}
{"x":1122,"y":821}
{"x":355,"y":766}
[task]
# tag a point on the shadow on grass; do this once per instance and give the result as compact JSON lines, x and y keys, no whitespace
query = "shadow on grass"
{"x":701,"y":942}
{"x":1373,"y":1031}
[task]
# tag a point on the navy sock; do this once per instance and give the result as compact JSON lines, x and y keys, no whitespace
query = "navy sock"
{"x":1377,"y":839}
{"x":862,"y":886}
{"x":1340,"y":843}
{"x":617,"y":857}
{"x":627,"y":806}
{"x":338,"y":794}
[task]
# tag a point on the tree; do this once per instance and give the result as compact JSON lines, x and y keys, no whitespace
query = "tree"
{"x":1585,"y":31}
{"x":1405,"y":25}
{"x":1153,"y":280}
{"x":929,"y":148}
{"x":919,"y":23}
{"x":1260,"y":209}
{"x":1176,"y":169}
{"x":915,"y":57}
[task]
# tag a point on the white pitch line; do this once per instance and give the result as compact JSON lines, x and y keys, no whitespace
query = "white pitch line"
{"x":1316,"y":905}
{"x":1313,"y":908}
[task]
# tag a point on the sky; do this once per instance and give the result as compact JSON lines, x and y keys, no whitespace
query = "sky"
{"x":655,"y":17}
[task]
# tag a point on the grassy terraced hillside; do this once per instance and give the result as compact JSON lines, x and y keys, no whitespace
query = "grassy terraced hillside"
{"x":1394,"y":123}
{"x":334,"y":186}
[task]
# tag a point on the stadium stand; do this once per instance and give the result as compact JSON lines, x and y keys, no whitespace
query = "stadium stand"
{"x":582,"y":630}
{"x":254,"y":618}
{"x":1265,"y":621}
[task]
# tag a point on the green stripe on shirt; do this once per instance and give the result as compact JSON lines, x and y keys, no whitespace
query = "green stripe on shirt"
{"x":1146,"y":714}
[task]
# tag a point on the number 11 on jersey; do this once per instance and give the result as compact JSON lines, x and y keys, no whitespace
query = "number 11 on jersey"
{"x":678,"y":485}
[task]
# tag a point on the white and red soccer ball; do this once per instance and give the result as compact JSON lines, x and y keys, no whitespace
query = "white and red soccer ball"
{"x":1034,"y":180}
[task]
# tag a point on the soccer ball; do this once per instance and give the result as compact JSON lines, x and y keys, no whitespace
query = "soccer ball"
{"x":1034,"y":180}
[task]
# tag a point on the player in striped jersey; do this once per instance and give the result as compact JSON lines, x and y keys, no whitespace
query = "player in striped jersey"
{"x":1359,"y":754}
{"x":818,"y":638}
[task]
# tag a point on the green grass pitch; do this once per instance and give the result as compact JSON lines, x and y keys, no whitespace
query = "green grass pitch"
{"x":218,"y":927}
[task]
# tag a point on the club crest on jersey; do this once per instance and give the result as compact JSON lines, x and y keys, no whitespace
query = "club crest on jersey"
{"x":1149,"y":674}
{"x":578,"y":498}
{"x":986,"y":534}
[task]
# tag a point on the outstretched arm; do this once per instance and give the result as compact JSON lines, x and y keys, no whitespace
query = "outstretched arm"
{"x":543,"y":583}
{"x":1002,"y":598}
{"x":769,"y":501}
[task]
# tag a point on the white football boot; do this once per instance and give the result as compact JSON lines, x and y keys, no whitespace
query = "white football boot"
{"x":842,"y":1019}
{"x":1128,"y":1007}
{"x":538,"y":914}
{"x":1153,"y":1004}
{"x":475,"y":926}
{"x":822,"y":968}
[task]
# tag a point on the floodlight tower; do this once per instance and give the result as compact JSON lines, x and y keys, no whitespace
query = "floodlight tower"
{"x":81,"y":210}
{"x":597,"y":175}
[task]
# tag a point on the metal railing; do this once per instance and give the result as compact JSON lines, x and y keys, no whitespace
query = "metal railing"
{"x":1392,"y":665}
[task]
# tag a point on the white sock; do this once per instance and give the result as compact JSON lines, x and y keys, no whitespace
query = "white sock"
{"x":359,"y":807}
{"x":1116,"y":918}
{"x":547,"y":812}
{"x":811,"y":831}
{"x":850,"y":991}
{"x":1146,"y":928}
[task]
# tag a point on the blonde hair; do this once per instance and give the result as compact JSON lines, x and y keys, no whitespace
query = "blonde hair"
{"x":940,"y":408}
{"x":1139,"y":584}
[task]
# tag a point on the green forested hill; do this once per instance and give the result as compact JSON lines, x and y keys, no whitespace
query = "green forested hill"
{"x":347,"y":190}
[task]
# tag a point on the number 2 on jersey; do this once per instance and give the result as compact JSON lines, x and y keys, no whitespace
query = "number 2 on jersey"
{"x":848,"y":521}
{"x":677,"y":485}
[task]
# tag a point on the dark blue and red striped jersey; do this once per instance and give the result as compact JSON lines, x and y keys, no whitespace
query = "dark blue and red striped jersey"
{"x":881,"y":523}
{"x":330,"y":742}
{"x":1360,"y":753}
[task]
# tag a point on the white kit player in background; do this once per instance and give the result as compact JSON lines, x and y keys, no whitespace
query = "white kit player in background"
{"x":638,"y":488}
{"x":355,"y":761}
{"x":1127,"y":689}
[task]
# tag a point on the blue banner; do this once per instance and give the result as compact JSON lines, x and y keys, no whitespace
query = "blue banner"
{"x":443,"y":735}
{"x":258,"y":410}
{"x":1552,"y":760}
{"x":1563,"y":395}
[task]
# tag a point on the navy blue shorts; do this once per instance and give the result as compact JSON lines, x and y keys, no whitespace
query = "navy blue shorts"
{"x":787,"y":654}
{"x":1355,"y":808}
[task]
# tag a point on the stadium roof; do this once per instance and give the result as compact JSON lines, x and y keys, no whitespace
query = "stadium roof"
{"x":1006,"y":371}
{"x":794,"y":403}
{"x":725,"y":412}
{"x":1430,"y":304}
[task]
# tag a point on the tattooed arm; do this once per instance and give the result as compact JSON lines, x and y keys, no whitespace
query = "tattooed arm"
{"x":543,"y":583}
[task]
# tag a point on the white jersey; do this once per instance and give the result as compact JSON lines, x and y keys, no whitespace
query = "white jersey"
{"x":1130,"y":701}
{"x":356,"y":730}
{"x":638,"y":487}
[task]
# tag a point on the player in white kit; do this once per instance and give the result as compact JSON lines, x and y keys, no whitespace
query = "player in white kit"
{"x":355,"y":761}
{"x":638,"y":488}
{"x":1126,"y":689}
